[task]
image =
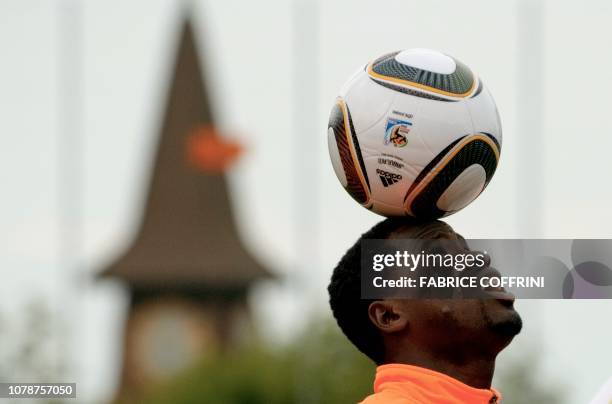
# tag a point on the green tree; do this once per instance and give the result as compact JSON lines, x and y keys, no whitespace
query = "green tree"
{"x":520,"y":382}
{"x":319,"y":367}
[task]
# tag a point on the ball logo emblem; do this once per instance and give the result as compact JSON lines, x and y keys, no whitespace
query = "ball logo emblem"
{"x":397,"y":132}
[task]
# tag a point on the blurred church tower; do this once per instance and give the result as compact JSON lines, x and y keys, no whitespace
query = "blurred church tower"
{"x":187,"y":272}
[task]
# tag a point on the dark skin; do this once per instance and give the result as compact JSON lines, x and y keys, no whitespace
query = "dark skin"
{"x":458,"y":337}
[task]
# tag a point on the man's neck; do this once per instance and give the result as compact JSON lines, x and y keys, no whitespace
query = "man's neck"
{"x":475,"y":371}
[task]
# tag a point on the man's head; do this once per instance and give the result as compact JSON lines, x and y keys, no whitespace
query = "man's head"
{"x":395,"y":330}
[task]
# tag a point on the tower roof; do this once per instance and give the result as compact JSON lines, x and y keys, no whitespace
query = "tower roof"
{"x":188,"y":235}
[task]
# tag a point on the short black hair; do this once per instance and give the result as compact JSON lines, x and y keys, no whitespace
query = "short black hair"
{"x":349,"y":309}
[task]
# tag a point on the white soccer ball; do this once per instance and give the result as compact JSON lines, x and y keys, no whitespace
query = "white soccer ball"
{"x":414,"y":133}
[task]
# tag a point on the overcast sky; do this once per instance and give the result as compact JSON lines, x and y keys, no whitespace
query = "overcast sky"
{"x":124,"y":50}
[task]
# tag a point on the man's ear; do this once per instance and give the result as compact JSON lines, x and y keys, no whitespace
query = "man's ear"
{"x":387,"y":316}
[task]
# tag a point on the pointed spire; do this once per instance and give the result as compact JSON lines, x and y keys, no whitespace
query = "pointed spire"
{"x":188,"y":235}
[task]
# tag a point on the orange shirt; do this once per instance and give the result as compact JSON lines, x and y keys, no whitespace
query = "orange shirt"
{"x":405,"y":384}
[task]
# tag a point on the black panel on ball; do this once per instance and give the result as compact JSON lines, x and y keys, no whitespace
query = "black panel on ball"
{"x":460,"y":82}
{"x":408,"y":91}
{"x":354,"y":185}
{"x":477,"y":151}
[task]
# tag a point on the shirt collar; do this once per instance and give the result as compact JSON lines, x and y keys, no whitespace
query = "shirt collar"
{"x":430,"y":385}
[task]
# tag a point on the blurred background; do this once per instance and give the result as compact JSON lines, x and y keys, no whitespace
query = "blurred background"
{"x":170,"y":217}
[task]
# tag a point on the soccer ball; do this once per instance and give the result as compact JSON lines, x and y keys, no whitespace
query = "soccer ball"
{"x":414,"y":133}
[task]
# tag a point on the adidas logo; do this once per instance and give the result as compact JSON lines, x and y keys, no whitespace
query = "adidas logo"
{"x":387,"y":178}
